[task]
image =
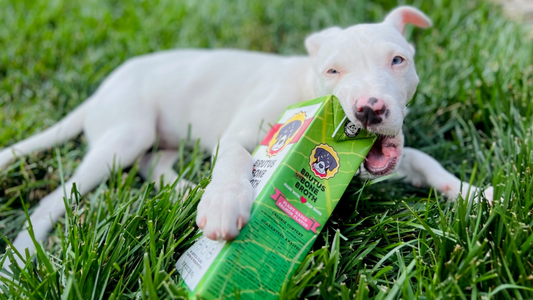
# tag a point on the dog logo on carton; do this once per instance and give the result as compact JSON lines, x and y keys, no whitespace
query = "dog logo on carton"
{"x":324,"y":161}
{"x":350,"y":129}
{"x":285,"y":134}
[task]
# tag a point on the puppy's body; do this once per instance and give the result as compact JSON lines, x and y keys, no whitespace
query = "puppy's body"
{"x":225,"y":95}
{"x":207,"y":89}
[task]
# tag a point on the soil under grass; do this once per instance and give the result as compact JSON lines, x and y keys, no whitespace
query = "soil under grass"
{"x":473,"y":112}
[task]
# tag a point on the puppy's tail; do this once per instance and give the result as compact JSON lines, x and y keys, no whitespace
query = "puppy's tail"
{"x":66,"y":129}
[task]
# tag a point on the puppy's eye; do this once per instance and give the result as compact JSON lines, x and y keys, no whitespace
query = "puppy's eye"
{"x":332,"y":71}
{"x":397,"y":60}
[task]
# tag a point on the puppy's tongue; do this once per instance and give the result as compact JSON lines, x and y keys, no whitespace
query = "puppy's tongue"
{"x":389,"y":150}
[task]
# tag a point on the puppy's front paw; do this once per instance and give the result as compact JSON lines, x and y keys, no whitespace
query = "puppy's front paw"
{"x":473,"y":192}
{"x":225,"y":208}
{"x":453,"y":191}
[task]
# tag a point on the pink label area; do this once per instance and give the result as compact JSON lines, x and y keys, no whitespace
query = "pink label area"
{"x":294,"y":213}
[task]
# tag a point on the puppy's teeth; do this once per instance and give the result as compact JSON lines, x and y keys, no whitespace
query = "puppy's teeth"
{"x":239,"y":223}
{"x":218,"y":235}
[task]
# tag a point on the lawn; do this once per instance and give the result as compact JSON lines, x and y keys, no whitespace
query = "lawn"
{"x":473,"y":112}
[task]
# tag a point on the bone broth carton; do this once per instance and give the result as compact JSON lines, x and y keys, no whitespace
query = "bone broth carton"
{"x":301,"y":169}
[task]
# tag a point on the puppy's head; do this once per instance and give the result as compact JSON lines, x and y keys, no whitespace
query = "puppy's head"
{"x":370,"y":68}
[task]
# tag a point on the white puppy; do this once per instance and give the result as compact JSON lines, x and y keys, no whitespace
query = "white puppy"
{"x":225,"y":95}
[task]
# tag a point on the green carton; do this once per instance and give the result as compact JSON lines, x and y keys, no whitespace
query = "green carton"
{"x":301,"y":169}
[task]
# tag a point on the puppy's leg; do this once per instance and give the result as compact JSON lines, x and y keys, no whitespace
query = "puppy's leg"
{"x":227,"y":202}
{"x":155,"y":165}
{"x":64,"y":130}
{"x":120,"y":146}
{"x":420,"y":169}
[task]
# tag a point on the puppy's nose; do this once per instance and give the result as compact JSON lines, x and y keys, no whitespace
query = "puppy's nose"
{"x":370,"y":111}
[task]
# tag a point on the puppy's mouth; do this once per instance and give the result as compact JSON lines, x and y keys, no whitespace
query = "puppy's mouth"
{"x":384,"y":156}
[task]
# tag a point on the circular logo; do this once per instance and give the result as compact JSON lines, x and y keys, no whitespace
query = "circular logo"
{"x":285,"y":134}
{"x":324,"y":161}
{"x":350,"y":129}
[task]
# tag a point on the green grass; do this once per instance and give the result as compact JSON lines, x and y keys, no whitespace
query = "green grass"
{"x":473,"y":112}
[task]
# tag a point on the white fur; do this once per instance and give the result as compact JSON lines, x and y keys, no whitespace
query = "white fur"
{"x":225,"y":95}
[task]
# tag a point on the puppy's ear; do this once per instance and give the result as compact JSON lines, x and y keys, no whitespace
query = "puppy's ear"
{"x":315,"y":40}
{"x":407,"y":15}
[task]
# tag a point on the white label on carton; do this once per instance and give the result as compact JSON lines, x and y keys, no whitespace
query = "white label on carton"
{"x":195,"y":262}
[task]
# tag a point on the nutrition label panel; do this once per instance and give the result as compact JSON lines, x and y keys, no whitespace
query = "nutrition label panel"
{"x":195,"y":262}
{"x":263,"y":256}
